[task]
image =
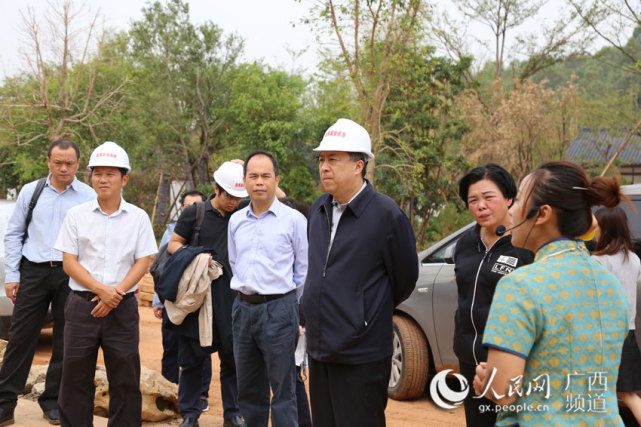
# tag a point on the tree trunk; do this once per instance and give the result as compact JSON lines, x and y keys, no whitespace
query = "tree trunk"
{"x":163,"y":199}
{"x":203,"y":177}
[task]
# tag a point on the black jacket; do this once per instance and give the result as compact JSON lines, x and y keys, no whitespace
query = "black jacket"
{"x":477,"y":272}
{"x":222,"y":300}
{"x":350,"y":293}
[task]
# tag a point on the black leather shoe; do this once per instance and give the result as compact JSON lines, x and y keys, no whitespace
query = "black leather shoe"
{"x":51,"y":415}
{"x":6,"y":417}
{"x":235,"y":421}
{"x":189,"y":422}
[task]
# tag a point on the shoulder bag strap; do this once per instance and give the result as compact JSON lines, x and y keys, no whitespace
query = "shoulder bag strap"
{"x":200,"y":216}
{"x":32,"y":205}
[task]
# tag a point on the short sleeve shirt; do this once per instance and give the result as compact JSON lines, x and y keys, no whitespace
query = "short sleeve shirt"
{"x":107,"y":245}
{"x":567,"y":316}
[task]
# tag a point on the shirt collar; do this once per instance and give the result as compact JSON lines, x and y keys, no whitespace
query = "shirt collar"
{"x":124,"y":206}
{"x":275,"y":208}
{"x":74,"y":184}
{"x":558,"y":245}
{"x":358,"y":203}
{"x":341,"y":206}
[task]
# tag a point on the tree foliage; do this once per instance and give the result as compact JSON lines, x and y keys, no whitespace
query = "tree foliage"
{"x":61,"y":95}
{"x":371,"y":38}
{"x":520,"y":128}
{"x":182,"y":71}
{"x":420,"y":161}
{"x":611,"y":21}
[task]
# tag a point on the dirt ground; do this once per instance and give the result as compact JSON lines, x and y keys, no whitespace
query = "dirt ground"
{"x":419,"y":412}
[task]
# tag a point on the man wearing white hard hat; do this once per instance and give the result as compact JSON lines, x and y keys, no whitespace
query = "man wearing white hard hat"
{"x":229,"y":191}
{"x":107,"y":246}
{"x":362,"y":263}
{"x":34,"y":276}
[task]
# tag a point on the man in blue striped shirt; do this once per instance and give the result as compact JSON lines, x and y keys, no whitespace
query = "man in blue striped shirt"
{"x":267,"y":247}
{"x":35,"y":279}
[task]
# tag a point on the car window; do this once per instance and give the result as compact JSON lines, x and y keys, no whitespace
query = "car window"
{"x":634,"y":218}
{"x":634,"y":221}
{"x":438,"y":257}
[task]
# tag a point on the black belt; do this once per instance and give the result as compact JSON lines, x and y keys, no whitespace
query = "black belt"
{"x":259,"y":299}
{"x":90,"y":295}
{"x":52,"y":264}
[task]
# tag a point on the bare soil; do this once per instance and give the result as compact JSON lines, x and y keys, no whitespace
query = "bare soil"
{"x":420,"y":412}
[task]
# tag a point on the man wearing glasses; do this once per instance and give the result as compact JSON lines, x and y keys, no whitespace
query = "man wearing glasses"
{"x":35,"y":278}
{"x":229,"y":191}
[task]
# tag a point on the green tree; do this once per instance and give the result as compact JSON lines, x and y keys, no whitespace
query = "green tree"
{"x":612,"y":21}
{"x":61,"y":95}
{"x":266,"y":112}
{"x":554,"y":40}
{"x":371,"y":38}
{"x":182,"y":75}
{"x":420,"y":160}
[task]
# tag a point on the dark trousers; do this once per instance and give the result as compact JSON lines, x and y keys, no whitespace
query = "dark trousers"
{"x":473,"y":416}
{"x":302,"y":403}
{"x":191,"y":378}
{"x":170,"y":368}
{"x":118,"y":334}
{"x":265,"y":337}
{"x":40,"y":285}
{"x":349,"y":395}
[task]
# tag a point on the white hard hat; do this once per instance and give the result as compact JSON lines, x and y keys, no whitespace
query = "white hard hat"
{"x":109,"y":154}
{"x":346,"y":135}
{"x":229,"y":176}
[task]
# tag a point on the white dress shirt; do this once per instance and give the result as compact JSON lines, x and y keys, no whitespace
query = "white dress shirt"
{"x":106,"y":245}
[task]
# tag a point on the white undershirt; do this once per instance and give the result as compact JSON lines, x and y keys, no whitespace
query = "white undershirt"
{"x":337,"y":212}
{"x":627,"y":272}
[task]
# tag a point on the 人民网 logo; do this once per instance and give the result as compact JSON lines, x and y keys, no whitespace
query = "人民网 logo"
{"x":443,"y":395}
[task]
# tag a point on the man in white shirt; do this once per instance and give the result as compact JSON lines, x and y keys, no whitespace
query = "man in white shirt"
{"x":107,"y":244}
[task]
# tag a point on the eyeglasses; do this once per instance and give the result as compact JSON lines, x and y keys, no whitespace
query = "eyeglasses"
{"x":231,"y":198}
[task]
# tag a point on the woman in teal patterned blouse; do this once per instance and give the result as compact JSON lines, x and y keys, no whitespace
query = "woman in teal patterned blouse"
{"x":556,"y":326}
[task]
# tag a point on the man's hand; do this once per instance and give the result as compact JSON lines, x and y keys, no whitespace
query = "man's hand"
{"x":157,"y":312}
{"x":110,"y":296}
{"x":100,"y":310}
{"x":11,"y":289}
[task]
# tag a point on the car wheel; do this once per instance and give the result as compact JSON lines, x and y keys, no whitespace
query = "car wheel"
{"x":410,"y":360}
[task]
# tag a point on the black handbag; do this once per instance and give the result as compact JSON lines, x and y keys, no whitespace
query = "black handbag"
{"x":158,"y":266}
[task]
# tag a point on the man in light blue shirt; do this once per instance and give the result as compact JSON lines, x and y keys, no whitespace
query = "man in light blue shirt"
{"x":267,"y":247}
{"x":35,"y":279}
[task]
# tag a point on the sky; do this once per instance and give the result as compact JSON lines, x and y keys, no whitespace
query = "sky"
{"x":266,"y":25}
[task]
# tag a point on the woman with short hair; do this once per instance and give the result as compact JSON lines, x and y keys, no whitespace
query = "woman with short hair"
{"x":482,"y":256}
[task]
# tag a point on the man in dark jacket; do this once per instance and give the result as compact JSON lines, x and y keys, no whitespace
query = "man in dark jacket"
{"x":229,"y":191}
{"x":362,"y":263}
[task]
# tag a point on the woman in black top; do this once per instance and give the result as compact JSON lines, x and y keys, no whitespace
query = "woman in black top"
{"x":482,"y":256}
